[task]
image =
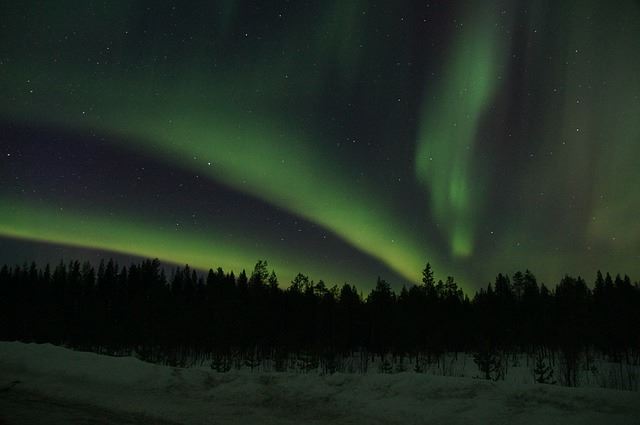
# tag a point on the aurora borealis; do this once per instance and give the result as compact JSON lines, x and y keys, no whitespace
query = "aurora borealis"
{"x":342,"y":139}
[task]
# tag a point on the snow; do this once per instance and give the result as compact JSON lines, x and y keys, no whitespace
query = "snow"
{"x":45,"y":384}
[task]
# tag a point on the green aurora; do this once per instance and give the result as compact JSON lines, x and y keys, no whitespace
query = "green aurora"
{"x":470,"y":136}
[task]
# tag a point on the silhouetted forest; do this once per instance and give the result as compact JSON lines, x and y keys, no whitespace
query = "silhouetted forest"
{"x":249,"y":317}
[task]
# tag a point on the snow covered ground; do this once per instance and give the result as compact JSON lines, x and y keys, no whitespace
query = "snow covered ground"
{"x":45,"y":384}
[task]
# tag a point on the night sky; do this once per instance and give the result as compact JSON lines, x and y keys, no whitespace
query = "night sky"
{"x":342,"y":139}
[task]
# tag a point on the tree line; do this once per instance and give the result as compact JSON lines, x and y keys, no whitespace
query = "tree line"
{"x":165,"y":319}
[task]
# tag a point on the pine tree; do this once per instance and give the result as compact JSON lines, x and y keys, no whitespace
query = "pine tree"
{"x":428,"y":280}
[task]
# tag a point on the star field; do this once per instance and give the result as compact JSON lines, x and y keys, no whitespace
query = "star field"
{"x":345,"y":140}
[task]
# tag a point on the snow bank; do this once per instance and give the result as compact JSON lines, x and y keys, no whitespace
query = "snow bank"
{"x":36,"y":379}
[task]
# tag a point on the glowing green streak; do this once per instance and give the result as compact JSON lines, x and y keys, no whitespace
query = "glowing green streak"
{"x":258,"y":159}
{"x":254,"y":153}
{"x":136,"y":236}
{"x":226,"y":122}
{"x":445,"y":145}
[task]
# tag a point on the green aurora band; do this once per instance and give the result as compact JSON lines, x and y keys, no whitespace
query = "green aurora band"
{"x":213,"y":135}
{"x":133,"y":235}
{"x":451,"y":116}
{"x":258,"y":159}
